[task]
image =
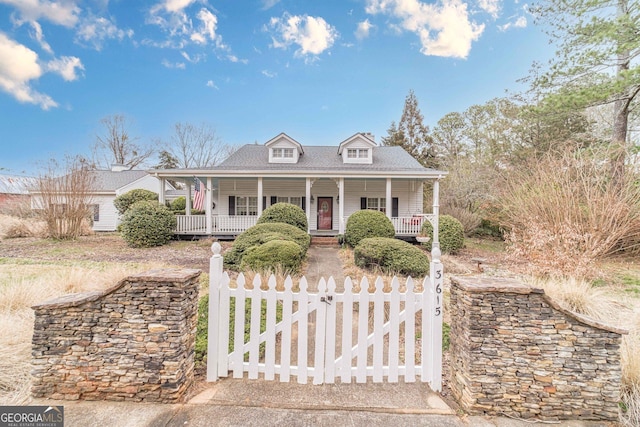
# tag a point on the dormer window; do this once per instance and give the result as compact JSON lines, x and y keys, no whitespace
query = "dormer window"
{"x":358,"y":153}
{"x":283,"y":153}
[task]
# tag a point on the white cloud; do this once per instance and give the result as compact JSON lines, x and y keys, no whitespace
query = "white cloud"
{"x":211,"y":84}
{"x":66,"y":66}
{"x":492,"y":7}
{"x":175,"y":5}
{"x":207,"y":29}
{"x":234,"y":58}
{"x":63,"y":12}
{"x":269,"y":74}
{"x":312,"y":34}
{"x":521,"y":22}
{"x":178,"y":65}
{"x":364,"y":27}
{"x":95,"y":30}
{"x":39,"y":36}
{"x":268,"y":4}
{"x":18,"y":67}
{"x":444,"y":28}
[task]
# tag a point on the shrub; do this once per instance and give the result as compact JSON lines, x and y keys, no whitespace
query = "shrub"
{"x":367,"y":223}
{"x":450,"y":234}
{"x":179,"y":204}
{"x":392,"y":256}
{"x":262,"y":233}
{"x":273,"y":255}
{"x":147,"y":224}
{"x":124,"y":201}
{"x":285,"y":213}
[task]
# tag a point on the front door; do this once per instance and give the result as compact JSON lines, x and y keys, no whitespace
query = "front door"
{"x":325,"y":213}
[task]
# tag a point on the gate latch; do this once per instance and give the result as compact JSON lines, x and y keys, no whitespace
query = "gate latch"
{"x":327,"y":299}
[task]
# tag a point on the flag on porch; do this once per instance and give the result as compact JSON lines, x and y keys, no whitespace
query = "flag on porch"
{"x":198,"y":195}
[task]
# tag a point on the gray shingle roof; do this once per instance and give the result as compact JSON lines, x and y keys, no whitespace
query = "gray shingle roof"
{"x":322,"y":158}
{"x":106,"y":180}
{"x":16,"y":184}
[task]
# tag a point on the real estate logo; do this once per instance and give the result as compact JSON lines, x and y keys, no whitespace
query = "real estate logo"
{"x":31,"y":416}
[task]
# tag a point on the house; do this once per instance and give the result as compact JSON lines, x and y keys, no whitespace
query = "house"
{"x":14,"y":190}
{"x":328,"y":182}
{"x":109,"y":184}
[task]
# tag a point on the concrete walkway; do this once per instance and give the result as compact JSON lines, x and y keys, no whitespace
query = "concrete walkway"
{"x":323,"y":262}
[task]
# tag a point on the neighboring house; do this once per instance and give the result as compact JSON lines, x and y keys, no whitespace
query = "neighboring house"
{"x":14,"y":190}
{"x":109,"y":184}
{"x":328,"y":182}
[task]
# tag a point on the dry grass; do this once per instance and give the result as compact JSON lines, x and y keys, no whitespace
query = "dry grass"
{"x":14,"y":226}
{"x":25,"y":283}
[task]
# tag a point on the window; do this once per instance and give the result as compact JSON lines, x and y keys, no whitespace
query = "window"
{"x":246,"y":205}
{"x":357,"y":153}
{"x":96,"y":212}
{"x":293,"y":200}
{"x":283,"y":153}
{"x":377,"y":204}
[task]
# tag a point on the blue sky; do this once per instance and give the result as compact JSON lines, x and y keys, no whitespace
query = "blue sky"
{"x":318,"y":70}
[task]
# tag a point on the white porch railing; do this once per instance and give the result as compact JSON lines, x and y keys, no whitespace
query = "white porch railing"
{"x":410,"y":225}
{"x":197,"y":224}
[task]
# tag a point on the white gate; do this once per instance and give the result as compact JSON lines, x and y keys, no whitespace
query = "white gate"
{"x":354,"y":335}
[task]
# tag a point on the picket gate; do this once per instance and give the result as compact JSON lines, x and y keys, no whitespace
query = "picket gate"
{"x":383,"y":344}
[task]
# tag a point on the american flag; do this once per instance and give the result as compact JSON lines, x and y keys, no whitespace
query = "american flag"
{"x":198,"y":195}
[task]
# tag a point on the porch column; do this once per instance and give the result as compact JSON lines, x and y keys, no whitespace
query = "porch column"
{"x":308,"y":204}
{"x":388,"y":196}
{"x":435,"y":246}
{"x":341,"y":203}
{"x":161,"y":192}
{"x":208,"y":200}
{"x":260,"y":207}
{"x":187,"y":207}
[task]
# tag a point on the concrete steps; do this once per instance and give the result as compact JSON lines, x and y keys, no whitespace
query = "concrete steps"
{"x":324,"y":242}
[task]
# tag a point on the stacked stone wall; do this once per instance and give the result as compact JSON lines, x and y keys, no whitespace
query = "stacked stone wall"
{"x":515,"y":351}
{"x":133,"y":342}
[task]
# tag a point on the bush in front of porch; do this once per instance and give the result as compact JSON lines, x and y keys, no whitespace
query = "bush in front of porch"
{"x":282,"y":255}
{"x":450,"y":234}
{"x":392,"y":256}
{"x":285,"y":213}
{"x":367,"y":223}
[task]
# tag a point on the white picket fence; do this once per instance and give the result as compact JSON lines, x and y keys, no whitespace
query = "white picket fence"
{"x":379,"y":335}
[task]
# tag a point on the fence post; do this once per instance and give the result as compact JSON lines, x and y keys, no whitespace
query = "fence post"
{"x":436,"y":295}
{"x":215,"y":278}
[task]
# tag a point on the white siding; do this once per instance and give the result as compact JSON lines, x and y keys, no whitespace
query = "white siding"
{"x":283,"y":143}
{"x":358,"y":143}
{"x":408,"y":192}
{"x":108,"y":214}
{"x":147,"y":182}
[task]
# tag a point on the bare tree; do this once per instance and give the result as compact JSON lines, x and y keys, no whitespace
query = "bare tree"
{"x":63,"y":197}
{"x":196,"y":146}
{"x":115,"y":146}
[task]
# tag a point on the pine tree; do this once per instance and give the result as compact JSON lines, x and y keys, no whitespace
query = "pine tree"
{"x":412,"y":134}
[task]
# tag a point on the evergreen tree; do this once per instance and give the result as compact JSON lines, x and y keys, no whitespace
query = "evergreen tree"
{"x":412,"y":134}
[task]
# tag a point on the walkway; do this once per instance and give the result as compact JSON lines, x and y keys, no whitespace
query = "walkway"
{"x":324,"y":262}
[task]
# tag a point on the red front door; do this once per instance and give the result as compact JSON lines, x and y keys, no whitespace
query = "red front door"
{"x":325,"y":213}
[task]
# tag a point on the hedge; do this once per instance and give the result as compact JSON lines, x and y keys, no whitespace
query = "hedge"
{"x":146,"y":224}
{"x":391,"y":256}
{"x":124,"y":201}
{"x":275,"y":255}
{"x":367,"y":223}
{"x":450,"y":234}
{"x":285,"y":213}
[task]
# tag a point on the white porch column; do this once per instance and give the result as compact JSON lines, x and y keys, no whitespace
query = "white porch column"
{"x":435,"y":246}
{"x":161,"y":193}
{"x":308,"y":205}
{"x":260,"y":207}
{"x":208,"y":200}
{"x":341,"y":205}
{"x":388,"y":196}
{"x":188,"y":199}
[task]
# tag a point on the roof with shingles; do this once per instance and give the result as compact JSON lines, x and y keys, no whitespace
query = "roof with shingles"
{"x":322,"y":158}
{"x":106,"y":180}
{"x":16,"y":184}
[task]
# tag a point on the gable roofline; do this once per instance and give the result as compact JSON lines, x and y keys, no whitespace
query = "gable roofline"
{"x":362,"y":135}
{"x":288,"y":138}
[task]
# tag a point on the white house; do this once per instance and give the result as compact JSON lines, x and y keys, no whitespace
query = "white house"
{"x":109,"y":184}
{"x":328,"y":182}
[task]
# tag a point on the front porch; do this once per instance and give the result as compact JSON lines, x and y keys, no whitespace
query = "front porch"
{"x":232,"y":225}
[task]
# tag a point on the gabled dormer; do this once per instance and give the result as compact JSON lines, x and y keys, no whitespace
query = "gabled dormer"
{"x":284,"y":149}
{"x":357,"y":149}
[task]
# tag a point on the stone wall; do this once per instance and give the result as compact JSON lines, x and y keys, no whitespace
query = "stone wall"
{"x":515,"y":351}
{"x":134,"y":341}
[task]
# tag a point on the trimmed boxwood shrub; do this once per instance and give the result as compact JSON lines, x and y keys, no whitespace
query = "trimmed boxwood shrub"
{"x":124,"y":201}
{"x":286,"y":213}
{"x":262,"y":233}
{"x":367,"y":223}
{"x":392,"y":256}
{"x":450,"y":234}
{"x":273,"y":255}
{"x":146,"y":224}
{"x":179,"y":204}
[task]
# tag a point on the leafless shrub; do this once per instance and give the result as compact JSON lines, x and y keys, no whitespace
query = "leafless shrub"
{"x":564,"y":212}
{"x":63,"y":198}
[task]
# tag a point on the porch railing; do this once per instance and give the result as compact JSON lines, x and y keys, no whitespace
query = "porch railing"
{"x":410,"y":225}
{"x":197,"y":224}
